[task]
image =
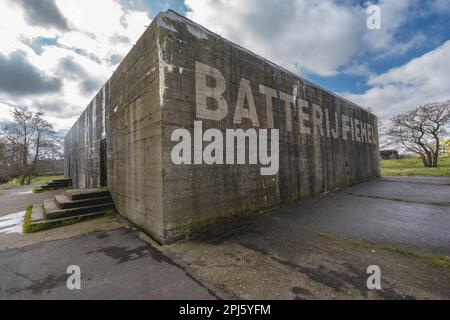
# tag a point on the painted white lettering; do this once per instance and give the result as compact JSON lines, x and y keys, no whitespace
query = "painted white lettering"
{"x":245,"y":94}
{"x":203,"y":92}
{"x":270,"y":95}
{"x":302,"y":105}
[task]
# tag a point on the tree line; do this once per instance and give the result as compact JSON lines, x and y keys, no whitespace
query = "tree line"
{"x":28,"y":138}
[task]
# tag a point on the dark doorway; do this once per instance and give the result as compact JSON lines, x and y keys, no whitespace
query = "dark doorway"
{"x":69,"y":169}
{"x":103,"y":164}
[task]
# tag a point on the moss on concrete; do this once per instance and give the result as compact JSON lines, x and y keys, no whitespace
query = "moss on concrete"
{"x":434,"y":259}
{"x":43,"y":226}
{"x":27,"y":220}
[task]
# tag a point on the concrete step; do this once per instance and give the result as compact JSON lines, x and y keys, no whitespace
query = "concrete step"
{"x":58,"y":184}
{"x":37,"y":214}
{"x":51,"y":210}
{"x":63,"y":181}
{"x":84,"y":194}
{"x":55,"y":184}
{"x":64,"y":202}
{"x":56,"y":222}
{"x":44,"y":188}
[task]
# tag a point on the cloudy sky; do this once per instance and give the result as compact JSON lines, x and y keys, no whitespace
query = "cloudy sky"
{"x":56,"y":54}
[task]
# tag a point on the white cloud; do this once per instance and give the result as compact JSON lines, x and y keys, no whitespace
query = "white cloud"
{"x":98,"y":33}
{"x":307,"y":36}
{"x":416,"y":41}
{"x":439,"y":6}
{"x":14,"y":29}
{"x":358,"y":69}
{"x":422,"y":80}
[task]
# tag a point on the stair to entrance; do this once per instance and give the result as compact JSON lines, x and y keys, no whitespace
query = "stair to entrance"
{"x":55,"y":185}
{"x":78,"y":202}
{"x":72,"y":205}
{"x":84,"y":194}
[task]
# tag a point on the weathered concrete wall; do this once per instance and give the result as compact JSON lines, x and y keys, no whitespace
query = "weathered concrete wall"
{"x":312,"y":161}
{"x":126,"y":112}
{"x":325,"y":141}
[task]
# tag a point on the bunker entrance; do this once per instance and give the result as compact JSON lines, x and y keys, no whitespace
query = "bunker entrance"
{"x":103,"y":164}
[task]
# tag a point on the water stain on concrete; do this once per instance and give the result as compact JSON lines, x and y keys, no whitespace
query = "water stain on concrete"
{"x":124,"y":255}
{"x":339,"y":281}
{"x":102,"y":235}
{"x":301,"y":291}
{"x":41,"y":285}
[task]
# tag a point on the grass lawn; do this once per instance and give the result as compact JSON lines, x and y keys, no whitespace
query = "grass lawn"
{"x":35,"y":181}
{"x":414,"y":167}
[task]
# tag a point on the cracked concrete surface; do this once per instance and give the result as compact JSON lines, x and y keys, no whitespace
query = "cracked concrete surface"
{"x":114,"y":265}
{"x":284,"y":263}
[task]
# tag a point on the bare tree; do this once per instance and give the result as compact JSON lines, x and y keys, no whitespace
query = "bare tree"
{"x":18,"y":135}
{"x":42,"y":141}
{"x":27,"y":139}
{"x":4,"y":163}
{"x":9,"y":160}
{"x":421,"y":131}
{"x":437,"y":119}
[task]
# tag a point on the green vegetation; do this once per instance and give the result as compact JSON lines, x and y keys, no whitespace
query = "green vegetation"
{"x":27,"y":220}
{"x":93,"y":232}
{"x":110,"y":213}
{"x":56,"y":224}
{"x":414,"y":167}
{"x":35,"y":181}
{"x":433,"y":259}
{"x":437,"y":260}
{"x":42,"y":226}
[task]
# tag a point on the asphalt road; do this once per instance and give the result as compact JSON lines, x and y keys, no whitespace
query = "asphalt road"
{"x":395,"y":212}
{"x":114,"y":265}
{"x":18,"y":199}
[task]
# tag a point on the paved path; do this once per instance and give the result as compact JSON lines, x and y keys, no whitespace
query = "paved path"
{"x":405,"y":191}
{"x":18,"y":199}
{"x":114,"y":265}
{"x":395,"y":212}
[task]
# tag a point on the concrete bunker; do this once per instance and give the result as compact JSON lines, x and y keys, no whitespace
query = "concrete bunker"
{"x":178,"y":77}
